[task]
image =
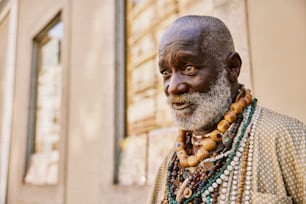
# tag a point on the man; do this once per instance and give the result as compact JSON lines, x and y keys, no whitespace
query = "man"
{"x":229,"y":149}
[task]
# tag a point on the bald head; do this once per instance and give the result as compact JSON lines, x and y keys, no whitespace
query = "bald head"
{"x":210,"y":33}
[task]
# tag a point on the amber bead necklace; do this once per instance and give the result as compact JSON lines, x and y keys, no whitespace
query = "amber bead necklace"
{"x":210,"y":140}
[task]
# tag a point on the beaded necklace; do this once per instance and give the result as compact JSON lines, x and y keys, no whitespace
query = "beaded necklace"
{"x":211,"y":174}
{"x":211,"y":139}
{"x":205,"y":170}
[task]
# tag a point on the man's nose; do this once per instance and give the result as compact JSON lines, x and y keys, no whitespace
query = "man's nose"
{"x":176,"y":85}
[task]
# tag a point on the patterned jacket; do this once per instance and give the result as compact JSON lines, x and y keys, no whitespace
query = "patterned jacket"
{"x":278,"y":163}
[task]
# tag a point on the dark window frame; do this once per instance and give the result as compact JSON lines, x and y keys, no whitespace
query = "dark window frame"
{"x":120,"y":83}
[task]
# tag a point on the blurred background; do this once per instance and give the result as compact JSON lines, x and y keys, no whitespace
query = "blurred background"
{"x":83,"y":118}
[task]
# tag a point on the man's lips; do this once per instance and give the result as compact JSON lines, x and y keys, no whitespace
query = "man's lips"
{"x":180,"y":106}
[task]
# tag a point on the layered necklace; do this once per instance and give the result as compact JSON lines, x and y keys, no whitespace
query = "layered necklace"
{"x":195,"y":177}
{"x":211,"y":139}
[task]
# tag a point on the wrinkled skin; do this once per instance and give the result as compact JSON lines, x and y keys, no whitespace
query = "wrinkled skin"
{"x":187,"y":67}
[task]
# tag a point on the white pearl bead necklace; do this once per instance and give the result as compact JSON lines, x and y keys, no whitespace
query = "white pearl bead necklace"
{"x":236,"y":166}
{"x":232,"y":173}
{"x":233,"y":166}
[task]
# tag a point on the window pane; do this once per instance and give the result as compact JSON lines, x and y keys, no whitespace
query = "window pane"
{"x":43,"y":166}
{"x":147,"y":111}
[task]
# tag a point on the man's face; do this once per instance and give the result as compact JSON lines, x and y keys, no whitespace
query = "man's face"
{"x":183,"y":64}
{"x":196,"y":89}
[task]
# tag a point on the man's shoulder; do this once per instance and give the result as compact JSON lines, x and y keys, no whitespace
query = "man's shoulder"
{"x":278,"y":122}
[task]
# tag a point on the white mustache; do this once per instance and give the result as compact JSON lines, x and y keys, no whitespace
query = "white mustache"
{"x":182,"y":98}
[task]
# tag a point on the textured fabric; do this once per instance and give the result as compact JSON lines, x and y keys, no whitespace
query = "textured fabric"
{"x":279,"y":162}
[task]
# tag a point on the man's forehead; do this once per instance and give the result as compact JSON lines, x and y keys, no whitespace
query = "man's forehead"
{"x":180,"y":35}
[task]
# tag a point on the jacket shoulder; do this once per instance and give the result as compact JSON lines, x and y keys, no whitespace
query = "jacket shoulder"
{"x":274,"y":122}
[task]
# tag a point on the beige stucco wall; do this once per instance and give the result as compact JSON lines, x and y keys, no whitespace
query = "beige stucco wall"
{"x":4,"y":30}
{"x":278,"y":50}
{"x":91,"y":108}
{"x":3,"y":60}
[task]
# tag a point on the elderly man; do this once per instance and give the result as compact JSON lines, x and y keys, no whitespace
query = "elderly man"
{"x":229,"y":149}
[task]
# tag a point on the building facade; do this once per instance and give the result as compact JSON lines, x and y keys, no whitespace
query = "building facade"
{"x":83,"y":117}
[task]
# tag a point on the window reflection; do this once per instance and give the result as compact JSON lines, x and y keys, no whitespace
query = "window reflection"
{"x":43,"y":166}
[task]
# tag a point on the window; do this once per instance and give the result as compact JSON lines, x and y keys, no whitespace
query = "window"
{"x":146,"y":109}
{"x":45,"y":107}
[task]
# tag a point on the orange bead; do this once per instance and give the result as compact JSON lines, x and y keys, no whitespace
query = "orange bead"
{"x":216,"y":136}
{"x":242,"y":102}
{"x":181,"y":153}
{"x":209,"y":144}
{"x":193,"y":160}
{"x":184,"y":162}
{"x":182,"y":132}
{"x":248,"y":99}
{"x":202,"y":154}
{"x":248,"y":94}
{"x":230,"y":116}
{"x":180,"y":138}
{"x":236,"y":107}
{"x":179,"y":145}
{"x":223,"y":125}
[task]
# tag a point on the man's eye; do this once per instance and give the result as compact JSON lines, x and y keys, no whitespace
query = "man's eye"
{"x":190,"y":69}
{"x":165,"y":73}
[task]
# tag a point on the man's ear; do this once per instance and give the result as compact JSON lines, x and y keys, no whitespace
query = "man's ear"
{"x":233,"y":65}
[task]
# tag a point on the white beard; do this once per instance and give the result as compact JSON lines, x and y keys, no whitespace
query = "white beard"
{"x":206,"y":109}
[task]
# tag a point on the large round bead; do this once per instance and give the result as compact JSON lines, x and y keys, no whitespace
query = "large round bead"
{"x":248,"y":94}
{"x":181,"y":153}
{"x":209,"y":144}
{"x":216,"y":136}
{"x":248,"y":99}
{"x":182,"y":132}
{"x":193,"y":160}
{"x":236,"y":107}
{"x":242,"y":102}
{"x":230,"y":116}
{"x":202,"y":154}
{"x":223,"y":125}
{"x":184,"y":162}
{"x":179,"y":145}
{"x":180,"y":139}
